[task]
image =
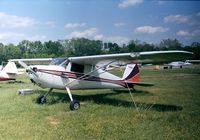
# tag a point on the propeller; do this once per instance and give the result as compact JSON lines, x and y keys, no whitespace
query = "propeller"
{"x":28,"y":68}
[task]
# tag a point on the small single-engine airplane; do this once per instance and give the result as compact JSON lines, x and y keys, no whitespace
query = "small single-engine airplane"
{"x":9,"y":72}
{"x":89,"y":72}
{"x":178,"y":64}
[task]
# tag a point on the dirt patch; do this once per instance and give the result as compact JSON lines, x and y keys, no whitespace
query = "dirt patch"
{"x":52,"y":120}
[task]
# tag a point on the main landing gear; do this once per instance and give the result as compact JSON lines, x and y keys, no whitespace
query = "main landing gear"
{"x":74,"y":104}
{"x":42,"y":98}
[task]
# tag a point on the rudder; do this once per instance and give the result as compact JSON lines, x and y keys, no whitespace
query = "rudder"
{"x":131,"y":73}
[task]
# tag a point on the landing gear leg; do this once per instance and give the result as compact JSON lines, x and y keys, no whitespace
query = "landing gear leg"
{"x":42,"y":98}
{"x":74,"y":104}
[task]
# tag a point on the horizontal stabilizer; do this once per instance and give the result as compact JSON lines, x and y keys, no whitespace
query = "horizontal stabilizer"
{"x":140,"y":84}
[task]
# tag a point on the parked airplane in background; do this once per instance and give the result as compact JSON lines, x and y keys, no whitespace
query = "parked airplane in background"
{"x":89,"y":72}
{"x":178,"y":64}
{"x":9,"y":72}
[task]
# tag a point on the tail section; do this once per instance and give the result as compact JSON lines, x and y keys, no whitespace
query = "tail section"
{"x":9,"y":72}
{"x":131,"y":73}
{"x":132,"y":76}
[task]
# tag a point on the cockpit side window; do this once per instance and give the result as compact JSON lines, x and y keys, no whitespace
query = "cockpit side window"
{"x":77,"y":68}
{"x":58,"y":61}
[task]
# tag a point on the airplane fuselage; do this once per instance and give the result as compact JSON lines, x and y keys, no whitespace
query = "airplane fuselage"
{"x":57,"y":77}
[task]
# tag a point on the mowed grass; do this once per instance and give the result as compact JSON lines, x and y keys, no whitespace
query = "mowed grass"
{"x":168,"y":110}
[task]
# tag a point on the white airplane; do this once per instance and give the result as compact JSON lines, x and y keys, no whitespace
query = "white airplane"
{"x":89,"y":72}
{"x":9,"y":72}
{"x":178,"y":64}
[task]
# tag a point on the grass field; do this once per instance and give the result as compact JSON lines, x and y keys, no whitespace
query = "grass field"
{"x":168,"y":110}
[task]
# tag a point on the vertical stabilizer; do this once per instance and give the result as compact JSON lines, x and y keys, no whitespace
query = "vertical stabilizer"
{"x":9,"y":72}
{"x":131,"y":73}
{"x":10,"y":68}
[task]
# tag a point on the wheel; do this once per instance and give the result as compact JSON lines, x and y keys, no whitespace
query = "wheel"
{"x":41,"y":99}
{"x":74,"y":105}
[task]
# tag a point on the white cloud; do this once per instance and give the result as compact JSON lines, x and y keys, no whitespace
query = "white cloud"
{"x":98,"y":37}
{"x":93,"y":33}
{"x":74,"y":25}
{"x":13,"y":21}
{"x":36,"y":38}
{"x":150,"y":29}
{"x":128,"y":3}
{"x":176,"y":18}
{"x":183,"y":33}
{"x":120,"y":24}
{"x":194,"y":33}
{"x":12,"y":37}
{"x":198,"y":14}
{"x":117,"y":39}
{"x":88,"y":33}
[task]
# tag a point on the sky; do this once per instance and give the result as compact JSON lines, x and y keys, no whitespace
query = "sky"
{"x":108,"y":20}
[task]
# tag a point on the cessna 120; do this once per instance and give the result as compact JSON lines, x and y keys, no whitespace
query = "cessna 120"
{"x":89,"y":72}
{"x":9,"y":72}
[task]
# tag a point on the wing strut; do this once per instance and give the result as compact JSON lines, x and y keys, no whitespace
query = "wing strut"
{"x":130,"y":93}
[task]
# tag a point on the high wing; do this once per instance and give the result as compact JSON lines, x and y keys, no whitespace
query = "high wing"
{"x":33,"y":60}
{"x":135,"y":57}
{"x":121,"y":58}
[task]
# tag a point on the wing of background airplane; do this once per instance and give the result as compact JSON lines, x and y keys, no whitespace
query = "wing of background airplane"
{"x":135,"y":57}
{"x":33,"y":60}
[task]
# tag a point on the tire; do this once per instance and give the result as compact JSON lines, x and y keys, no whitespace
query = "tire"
{"x":41,"y":99}
{"x":74,"y":105}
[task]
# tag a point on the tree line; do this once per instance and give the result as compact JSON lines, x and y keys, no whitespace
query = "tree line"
{"x":84,"y":47}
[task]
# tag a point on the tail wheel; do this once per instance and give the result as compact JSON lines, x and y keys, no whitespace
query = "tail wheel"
{"x":41,"y":99}
{"x":74,"y":105}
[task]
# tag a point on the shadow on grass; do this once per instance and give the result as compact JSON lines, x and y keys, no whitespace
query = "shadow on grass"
{"x":14,"y":81}
{"x":104,"y":99}
{"x":135,"y":92}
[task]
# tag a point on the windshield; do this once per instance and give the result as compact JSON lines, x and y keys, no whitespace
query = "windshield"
{"x":57,"y":61}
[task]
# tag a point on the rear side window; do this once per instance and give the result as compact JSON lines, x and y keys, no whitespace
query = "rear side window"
{"x":77,"y":68}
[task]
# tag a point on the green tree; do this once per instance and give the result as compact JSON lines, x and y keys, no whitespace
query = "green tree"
{"x":131,"y":46}
{"x":195,"y":48}
{"x":83,"y":47}
{"x":170,"y":44}
{"x":112,"y":47}
{"x":11,"y":51}
{"x":53,"y":49}
{"x":24,"y":47}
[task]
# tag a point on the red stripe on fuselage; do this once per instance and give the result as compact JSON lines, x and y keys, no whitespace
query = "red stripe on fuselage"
{"x":74,"y":75}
